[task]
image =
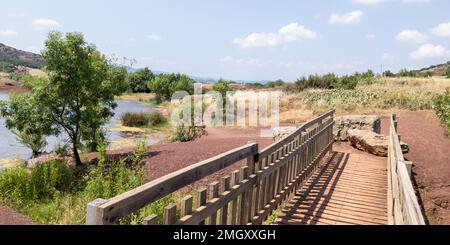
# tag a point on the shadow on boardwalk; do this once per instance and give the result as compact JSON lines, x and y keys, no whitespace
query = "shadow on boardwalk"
{"x":351,"y":188}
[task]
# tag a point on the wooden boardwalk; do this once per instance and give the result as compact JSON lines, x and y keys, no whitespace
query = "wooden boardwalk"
{"x":349,"y":189}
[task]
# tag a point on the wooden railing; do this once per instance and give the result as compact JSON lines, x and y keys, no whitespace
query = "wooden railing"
{"x":248,"y":196}
{"x":403,"y":206}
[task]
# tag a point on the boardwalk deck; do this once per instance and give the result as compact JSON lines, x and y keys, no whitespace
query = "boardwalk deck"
{"x":350,"y":188}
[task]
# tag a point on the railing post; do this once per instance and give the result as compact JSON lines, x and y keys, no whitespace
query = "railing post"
{"x":251,"y":160}
{"x":94,"y":215}
{"x":408,"y":165}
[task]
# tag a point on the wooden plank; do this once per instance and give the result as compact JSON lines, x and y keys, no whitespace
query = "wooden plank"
{"x":137,"y":198}
{"x":234,"y":207}
{"x":244,"y":204}
{"x":201,"y":201}
{"x":170,"y":214}
{"x":151,"y":220}
{"x":186,"y":206}
{"x":225,"y":185}
{"x":94,"y":214}
{"x":214,"y":193}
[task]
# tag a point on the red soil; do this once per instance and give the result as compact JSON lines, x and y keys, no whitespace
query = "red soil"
{"x":8,"y":86}
{"x":430,"y":154}
{"x":10,"y":217}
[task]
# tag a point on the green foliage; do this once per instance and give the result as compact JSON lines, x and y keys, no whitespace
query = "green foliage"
{"x":222,"y":86}
{"x":448,"y":73}
{"x":141,"y":119}
{"x":330,"y":81}
{"x":28,"y":119}
{"x":20,"y":186}
{"x":139,"y":79}
{"x":349,"y":100}
{"x":441,"y":105}
{"x":54,"y":193}
{"x":388,"y":73}
{"x":274,"y":84}
{"x":156,"y":118}
{"x":165,"y":85}
{"x":77,"y":98}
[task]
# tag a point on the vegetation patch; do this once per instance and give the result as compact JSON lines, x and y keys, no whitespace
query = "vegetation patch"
{"x":142,"y":119}
{"x":54,"y":193}
{"x":441,"y":105}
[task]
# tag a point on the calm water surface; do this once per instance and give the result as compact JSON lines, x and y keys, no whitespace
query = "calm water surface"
{"x":9,"y":147}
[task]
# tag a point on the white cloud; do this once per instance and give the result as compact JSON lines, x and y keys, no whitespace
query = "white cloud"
{"x":353,"y":17}
{"x":442,"y":30}
{"x":16,"y":15}
{"x":430,"y":51}
{"x":411,"y":36}
{"x":241,"y":61}
{"x":371,"y":36}
{"x":131,"y":39}
{"x":8,"y":33}
{"x":289,"y":33}
{"x":368,"y":2}
{"x":416,"y":1}
{"x":45,"y":24}
{"x":153,"y":37}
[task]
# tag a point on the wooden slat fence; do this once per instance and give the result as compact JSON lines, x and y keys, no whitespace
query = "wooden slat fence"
{"x":403,"y":206}
{"x":246,"y":196}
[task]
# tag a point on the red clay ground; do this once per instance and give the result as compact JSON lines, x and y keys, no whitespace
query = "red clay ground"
{"x":167,"y":158}
{"x":430,"y":154}
{"x":10,"y":217}
{"x":9,"y":86}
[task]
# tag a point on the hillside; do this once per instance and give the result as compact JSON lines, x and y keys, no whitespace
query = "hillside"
{"x":437,"y":70}
{"x":11,"y":57}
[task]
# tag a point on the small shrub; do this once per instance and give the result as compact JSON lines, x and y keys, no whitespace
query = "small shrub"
{"x":441,"y":105}
{"x":187,"y":133}
{"x":62,"y":150}
{"x":132,"y":119}
{"x":50,"y":178}
{"x":156,"y":118}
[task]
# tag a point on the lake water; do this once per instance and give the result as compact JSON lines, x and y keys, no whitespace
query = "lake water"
{"x":10,"y":148}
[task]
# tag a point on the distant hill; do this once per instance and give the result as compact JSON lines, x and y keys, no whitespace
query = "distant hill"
{"x":11,"y":57}
{"x":436,"y":70}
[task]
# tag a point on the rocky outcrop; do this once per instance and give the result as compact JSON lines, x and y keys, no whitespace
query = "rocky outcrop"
{"x":280,"y":133}
{"x":371,"y":142}
{"x":345,"y":123}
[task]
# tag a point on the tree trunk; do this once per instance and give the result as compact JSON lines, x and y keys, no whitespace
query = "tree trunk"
{"x":76,"y":155}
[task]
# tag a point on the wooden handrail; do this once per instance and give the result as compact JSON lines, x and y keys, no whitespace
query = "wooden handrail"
{"x":249,"y":196}
{"x":403,"y":206}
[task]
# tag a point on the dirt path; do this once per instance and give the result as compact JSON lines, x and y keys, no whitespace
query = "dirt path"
{"x":167,"y":158}
{"x":10,"y":217}
{"x":430,"y":154}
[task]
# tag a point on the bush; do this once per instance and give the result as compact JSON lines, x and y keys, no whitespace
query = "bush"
{"x":165,"y":85}
{"x":448,"y":73}
{"x":156,"y":118}
{"x":141,"y":119}
{"x":132,"y":119}
{"x":188,"y":133}
{"x":139,"y":79}
{"x":441,"y":105}
{"x":20,"y":186}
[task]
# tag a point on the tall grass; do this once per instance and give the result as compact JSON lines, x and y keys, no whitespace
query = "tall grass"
{"x":141,"y":119}
{"x":54,"y":193}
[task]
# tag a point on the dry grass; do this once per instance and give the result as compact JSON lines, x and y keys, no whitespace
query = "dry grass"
{"x":385,"y":96}
{"x":137,"y":97}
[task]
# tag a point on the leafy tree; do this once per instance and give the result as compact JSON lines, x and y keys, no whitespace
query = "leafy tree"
{"x":77,"y":98}
{"x":28,"y":120}
{"x":388,"y":73}
{"x":222,"y":86}
{"x":139,"y":79}
{"x":165,"y":85}
{"x":448,"y":73}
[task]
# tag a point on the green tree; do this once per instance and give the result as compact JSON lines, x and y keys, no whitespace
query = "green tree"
{"x":78,"y":95}
{"x":28,"y":120}
{"x":139,"y":79}
{"x":222,"y":86}
{"x":448,"y":73}
{"x":165,"y":85}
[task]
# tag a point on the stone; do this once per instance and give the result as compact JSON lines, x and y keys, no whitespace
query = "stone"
{"x":362,"y":122}
{"x":371,"y":142}
{"x":280,"y":133}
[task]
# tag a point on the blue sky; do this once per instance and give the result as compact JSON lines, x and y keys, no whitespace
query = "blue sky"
{"x":249,"y":40}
